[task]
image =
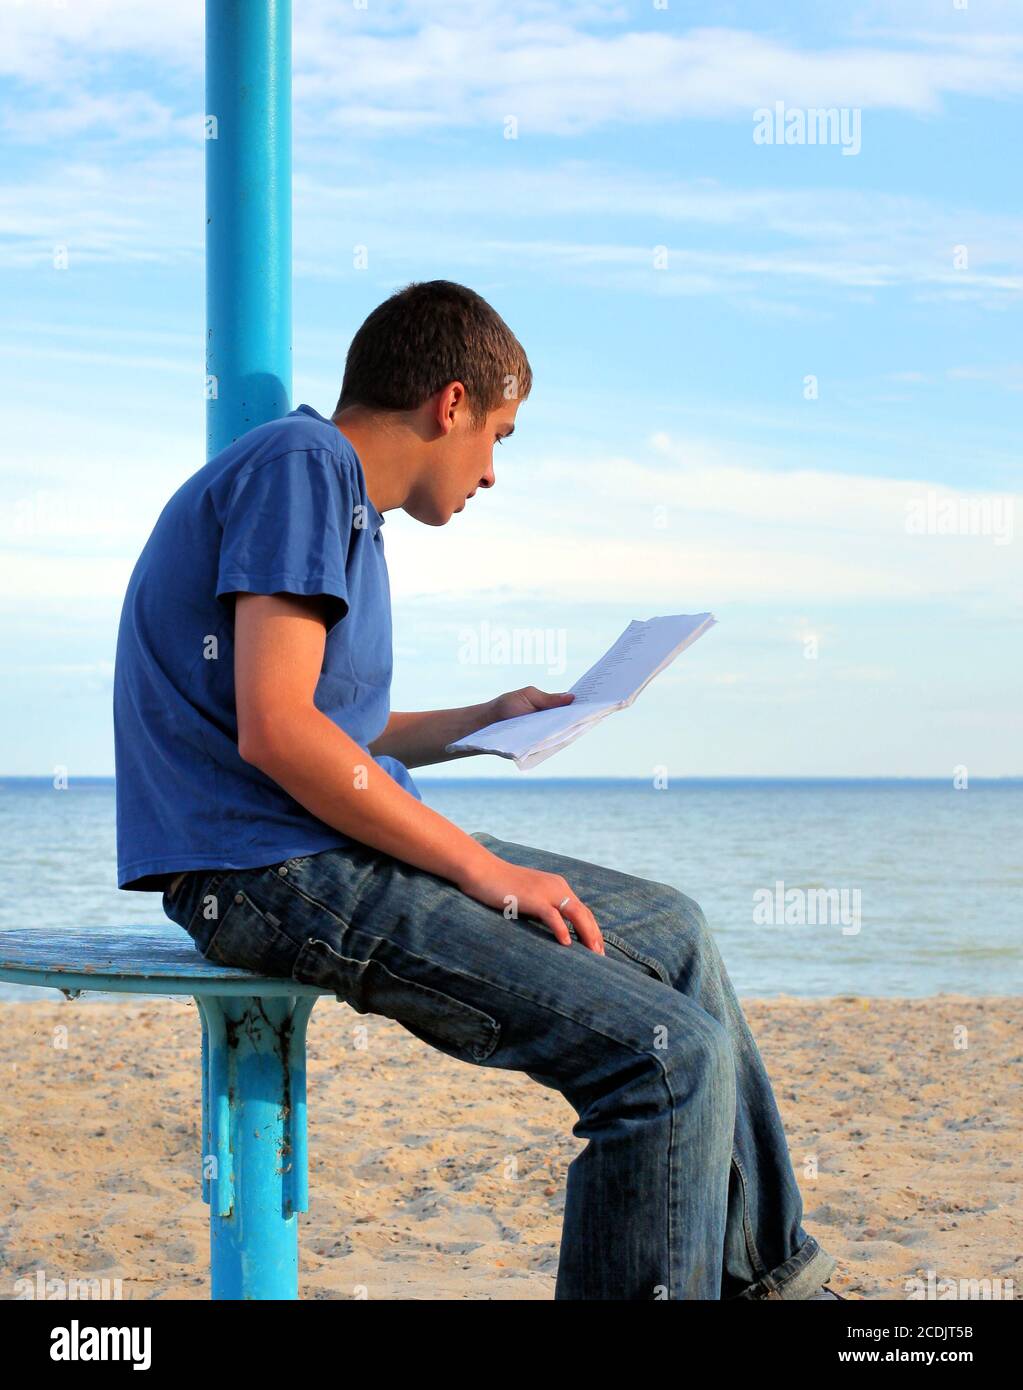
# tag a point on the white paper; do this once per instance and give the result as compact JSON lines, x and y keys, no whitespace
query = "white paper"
{"x":642,"y":651}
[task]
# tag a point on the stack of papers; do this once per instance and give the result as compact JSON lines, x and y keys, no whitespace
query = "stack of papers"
{"x":642,"y":652}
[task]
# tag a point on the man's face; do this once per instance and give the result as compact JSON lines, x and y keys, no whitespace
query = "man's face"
{"x":462,"y":462}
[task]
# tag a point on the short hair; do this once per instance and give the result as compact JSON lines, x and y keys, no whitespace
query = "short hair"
{"x":426,"y":335}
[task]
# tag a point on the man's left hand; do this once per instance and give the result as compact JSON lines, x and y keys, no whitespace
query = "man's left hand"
{"x":526,"y":701}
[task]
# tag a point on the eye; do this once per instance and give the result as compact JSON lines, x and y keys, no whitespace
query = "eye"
{"x":499,"y":438}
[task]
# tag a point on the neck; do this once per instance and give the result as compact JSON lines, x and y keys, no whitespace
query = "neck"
{"x":384,"y":453}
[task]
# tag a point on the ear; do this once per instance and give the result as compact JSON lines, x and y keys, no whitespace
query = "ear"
{"x":451,"y":402}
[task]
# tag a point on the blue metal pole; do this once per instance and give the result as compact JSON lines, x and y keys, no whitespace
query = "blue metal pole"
{"x":254,"y":1141}
{"x":253,"y":1064}
{"x":248,"y":216}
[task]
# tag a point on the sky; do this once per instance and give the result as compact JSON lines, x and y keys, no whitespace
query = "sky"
{"x":779,"y":381}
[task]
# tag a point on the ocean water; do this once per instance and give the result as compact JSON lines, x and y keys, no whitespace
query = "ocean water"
{"x":924,"y":883}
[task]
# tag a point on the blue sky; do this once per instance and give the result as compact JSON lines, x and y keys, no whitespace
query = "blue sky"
{"x":669,"y":459}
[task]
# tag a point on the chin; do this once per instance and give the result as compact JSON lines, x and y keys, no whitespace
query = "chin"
{"x":432,"y":518}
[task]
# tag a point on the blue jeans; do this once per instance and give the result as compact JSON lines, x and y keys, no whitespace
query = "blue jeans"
{"x":685,"y":1189}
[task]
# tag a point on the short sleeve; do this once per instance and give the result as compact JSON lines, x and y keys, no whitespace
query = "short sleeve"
{"x":287,"y":529}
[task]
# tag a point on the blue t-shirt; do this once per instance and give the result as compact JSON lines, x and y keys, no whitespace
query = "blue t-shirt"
{"x":284,"y":509}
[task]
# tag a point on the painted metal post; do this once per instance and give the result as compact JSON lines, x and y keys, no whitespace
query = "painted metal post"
{"x":255,"y":1175}
{"x":248,"y":216}
{"x":253,"y":1049}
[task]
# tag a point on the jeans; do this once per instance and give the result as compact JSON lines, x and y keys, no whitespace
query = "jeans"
{"x":685,"y":1189}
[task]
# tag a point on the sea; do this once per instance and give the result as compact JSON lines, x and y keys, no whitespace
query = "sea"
{"x":813,"y":888}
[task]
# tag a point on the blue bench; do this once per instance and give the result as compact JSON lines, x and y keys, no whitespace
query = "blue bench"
{"x":255,"y":1172}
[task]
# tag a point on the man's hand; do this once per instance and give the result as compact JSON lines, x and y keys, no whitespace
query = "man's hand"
{"x":532,"y":893}
{"x":526,"y":701}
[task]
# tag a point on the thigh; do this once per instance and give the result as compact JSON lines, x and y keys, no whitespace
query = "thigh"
{"x":653,"y":925}
{"x":391,"y":939}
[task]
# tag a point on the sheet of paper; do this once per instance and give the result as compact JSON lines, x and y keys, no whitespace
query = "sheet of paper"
{"x":535,"y":752}
{"x":527,"y":760}
{"x":516,"y":736}
{"x":642,"y":651}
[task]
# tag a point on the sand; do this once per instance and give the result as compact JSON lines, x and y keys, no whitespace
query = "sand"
{"x":431,"y":1178}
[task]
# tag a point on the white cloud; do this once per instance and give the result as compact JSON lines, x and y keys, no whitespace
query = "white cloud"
{"x":555,"y":78}
{"x":731,"y":531}
{"x":683,"y":526}
{"x":766,"y":247}
{"x":51,"y":43}
{"x":699,"y":272}
{"x":558,"y":68}
{"x":762,"y":241}
{"x":122,"y":210}
{"x":127,"y":116}
{"x":1007,"y":375}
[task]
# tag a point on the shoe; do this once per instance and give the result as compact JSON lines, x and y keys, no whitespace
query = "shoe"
{"x":825,"y":1292}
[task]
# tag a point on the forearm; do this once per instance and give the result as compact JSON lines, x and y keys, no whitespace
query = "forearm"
{"x":329,"y":774}
{"x":418,"y":738}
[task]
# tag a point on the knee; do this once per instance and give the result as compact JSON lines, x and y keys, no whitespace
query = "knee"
{"x":690,"y":910}
{"x":687,"y":915}
{"x":690,"y":935}
{"x":695,"y":1051}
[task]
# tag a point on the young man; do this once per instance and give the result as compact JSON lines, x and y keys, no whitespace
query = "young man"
{"x":263,"y":785}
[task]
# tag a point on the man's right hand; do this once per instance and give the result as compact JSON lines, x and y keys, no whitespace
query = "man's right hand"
{"x":532,"y":893}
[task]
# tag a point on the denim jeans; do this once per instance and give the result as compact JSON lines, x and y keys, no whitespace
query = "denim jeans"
{"x":685,"y":1189}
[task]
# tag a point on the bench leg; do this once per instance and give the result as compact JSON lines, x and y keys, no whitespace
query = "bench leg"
{"x":254,"y":1163}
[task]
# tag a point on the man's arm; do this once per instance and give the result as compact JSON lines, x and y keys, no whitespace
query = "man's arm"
{"x":419,"y":738}
{"x":279,"y":646}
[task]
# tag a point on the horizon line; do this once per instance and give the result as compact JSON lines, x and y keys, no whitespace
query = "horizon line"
{"x":612,"y":777}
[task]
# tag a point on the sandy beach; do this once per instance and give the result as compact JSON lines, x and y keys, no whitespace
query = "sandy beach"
{"x":434,"y":1179}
